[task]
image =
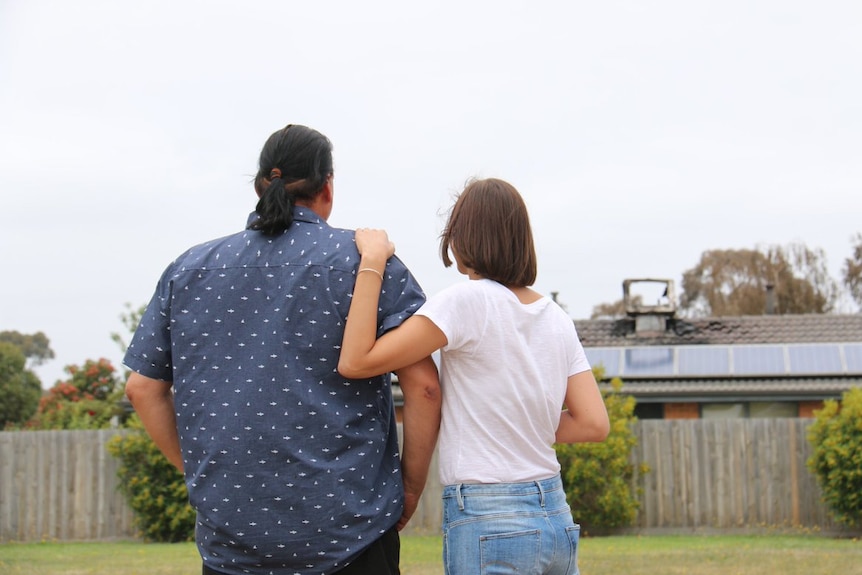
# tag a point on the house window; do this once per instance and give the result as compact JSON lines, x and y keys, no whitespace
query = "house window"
{"x":752,"y":409}
{"x":722,"y":410}
{"x":649,"y":411}
{"x":773,"y":409}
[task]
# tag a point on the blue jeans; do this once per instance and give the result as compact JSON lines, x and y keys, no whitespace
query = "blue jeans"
{"x":504,"y":528}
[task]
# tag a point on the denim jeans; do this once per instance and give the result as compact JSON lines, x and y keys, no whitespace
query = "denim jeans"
{"x":506,"y":528}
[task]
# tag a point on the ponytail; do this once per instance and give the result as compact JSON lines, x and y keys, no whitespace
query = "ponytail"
{"x":274,"y":208}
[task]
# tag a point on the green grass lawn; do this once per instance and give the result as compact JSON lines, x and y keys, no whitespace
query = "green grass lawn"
{"x":629,"y":555}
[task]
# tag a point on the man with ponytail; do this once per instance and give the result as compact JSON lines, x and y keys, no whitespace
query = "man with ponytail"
{"x":291,"y":467}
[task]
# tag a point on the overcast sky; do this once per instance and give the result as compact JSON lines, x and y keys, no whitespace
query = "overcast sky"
{"x":640,"y":133}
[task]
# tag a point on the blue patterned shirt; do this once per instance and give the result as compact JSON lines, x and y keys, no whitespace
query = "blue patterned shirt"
{"x":291,"y":467}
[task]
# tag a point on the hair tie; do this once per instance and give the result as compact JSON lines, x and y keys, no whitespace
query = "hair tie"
{"x":274,"y":173}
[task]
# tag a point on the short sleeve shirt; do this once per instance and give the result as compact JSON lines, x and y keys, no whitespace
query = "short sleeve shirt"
{"x":504,"y":375}
{"x":291,"y":467}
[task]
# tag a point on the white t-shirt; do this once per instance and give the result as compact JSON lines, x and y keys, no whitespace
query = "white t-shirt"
{"x":504,"y":373}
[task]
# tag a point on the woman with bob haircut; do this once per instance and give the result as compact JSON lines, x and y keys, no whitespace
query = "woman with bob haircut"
{"x":510,"y":361}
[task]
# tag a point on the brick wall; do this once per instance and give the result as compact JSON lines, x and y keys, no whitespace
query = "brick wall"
{"x":681,"y":411}
{"x":806,"y":408}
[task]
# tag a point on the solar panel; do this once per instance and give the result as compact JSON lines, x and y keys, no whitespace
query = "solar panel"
{"x":704,"y":360}
{"x":758,"y":360}
{"x":814,"y":359}
{"x":606,"y":357}
{"x":727,"y":360}
{"x":853,"y":357}
{"x":648,"y":361}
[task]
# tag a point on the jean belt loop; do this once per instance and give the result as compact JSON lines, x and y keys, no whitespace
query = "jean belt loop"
{"x":541,"y":493}
{"x":458,"y":496}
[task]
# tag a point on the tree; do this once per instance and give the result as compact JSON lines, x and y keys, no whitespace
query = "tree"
{"x":19,"y":387}
{"x":35,"y":347}
{"x":734,"y":282}
{"x":852,"y":272}
{"x":613,"y":309}
{"x":87,"y":400}
{"x":836,"y":438}
{"x":130,"y":318}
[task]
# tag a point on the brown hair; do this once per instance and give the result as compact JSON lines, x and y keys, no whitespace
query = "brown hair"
{"x":489,"y":230}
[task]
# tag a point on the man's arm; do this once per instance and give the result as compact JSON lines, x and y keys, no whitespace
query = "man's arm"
{"x":422,"y":402}
{"x":153,"y":402}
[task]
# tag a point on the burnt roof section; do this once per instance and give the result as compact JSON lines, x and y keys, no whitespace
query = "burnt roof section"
{"x":808,"y":328}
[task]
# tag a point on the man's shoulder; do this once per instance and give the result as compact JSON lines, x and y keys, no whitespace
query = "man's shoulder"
{"x":195,"y":252}
{"x":341,"y":237}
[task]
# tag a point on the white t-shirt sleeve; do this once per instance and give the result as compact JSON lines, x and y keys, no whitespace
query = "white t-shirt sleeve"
{"x":578,"y":358}
{"x":459,"y":312}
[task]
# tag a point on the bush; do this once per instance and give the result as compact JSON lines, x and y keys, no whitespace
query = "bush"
{"x":597,"y":477}
{"x":78,"y":414}
{"x":89,"y":399}
{"x":836,"y":436}
{"x":153,"y":487}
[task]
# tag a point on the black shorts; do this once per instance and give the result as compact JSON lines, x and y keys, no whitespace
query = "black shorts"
{"x":381,"y":558}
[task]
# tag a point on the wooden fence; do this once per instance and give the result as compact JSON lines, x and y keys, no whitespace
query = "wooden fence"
{"x":704,"y":475}
{"x":60,"y":485}
{"x":727,"y":473}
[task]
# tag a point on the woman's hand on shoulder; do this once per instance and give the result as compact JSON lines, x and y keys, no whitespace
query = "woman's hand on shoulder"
{"x":374,"y":244}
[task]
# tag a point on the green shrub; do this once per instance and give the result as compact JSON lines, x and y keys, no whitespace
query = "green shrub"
{"x":597,"y":477}
{"x":836,"y":436}
{"x":89,"y":399}
{"x":79,"y":414}
{"x":153,"y":487}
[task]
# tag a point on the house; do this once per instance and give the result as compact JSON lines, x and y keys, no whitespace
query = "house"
{"x":747,"y":366}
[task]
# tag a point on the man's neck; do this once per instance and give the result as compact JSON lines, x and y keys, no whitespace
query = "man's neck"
{"x":317,"y":205}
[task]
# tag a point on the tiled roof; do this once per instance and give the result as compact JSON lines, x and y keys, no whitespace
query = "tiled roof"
{"x":667,"y":389}
{"x":808,"y":328}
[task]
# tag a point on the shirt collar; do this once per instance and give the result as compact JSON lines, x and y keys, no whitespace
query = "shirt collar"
{"x":304,"y":214}
{"x":300,"y":214}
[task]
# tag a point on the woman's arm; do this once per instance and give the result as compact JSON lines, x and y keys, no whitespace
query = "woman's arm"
{"x":362,"y":354}
{"x":585,"y":418}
